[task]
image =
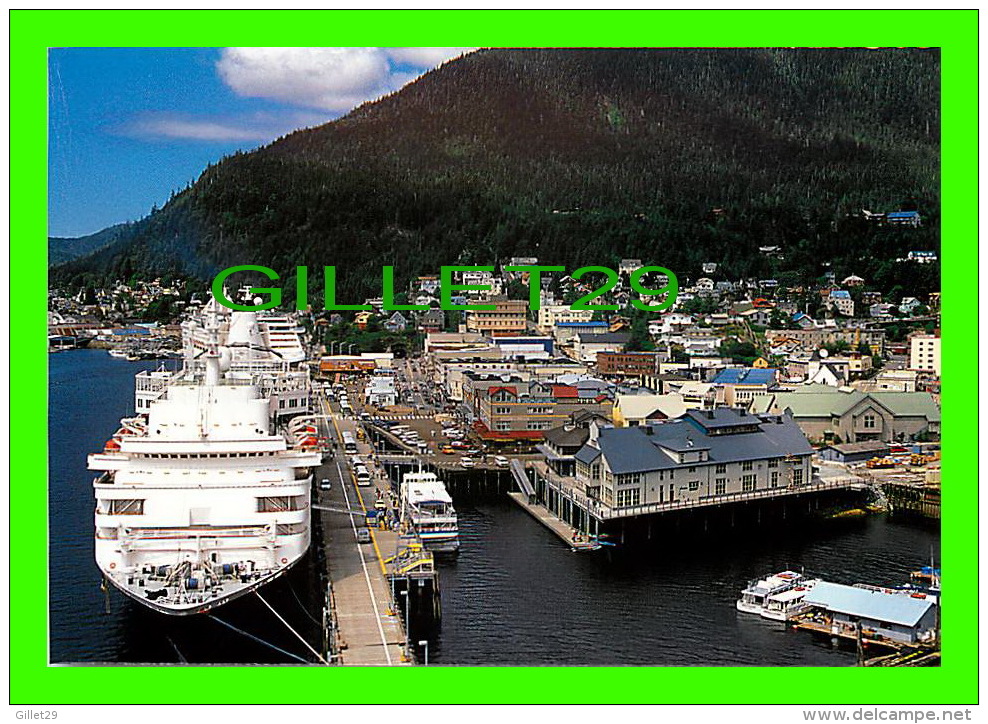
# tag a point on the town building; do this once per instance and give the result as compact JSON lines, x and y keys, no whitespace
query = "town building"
{"x":924,"y":353}
{"x":380,"y":391}
{"x":432,"y":321}
{"x":904,"y":218}
{"x":507,"y":319}
{"x":588,"y":345}
{"x":634,"y":410}
{"x":839,"y":415}
{"x":854,"y":452}
{"x":628,"y":364}
{"x":875,"y":613}
{"x":741,"y":384}
{"x":811,"y":339}
{"x":566,"y":332}
{"x":396,"y":323}
{"x":702,"y":455}
{"x":840,"y":300}
{"x":551,"y":315}
{"x":562,"y":443}
{"x":509,"y":408}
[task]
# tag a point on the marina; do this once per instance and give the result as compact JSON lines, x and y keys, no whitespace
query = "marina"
{"x":381,"y":601}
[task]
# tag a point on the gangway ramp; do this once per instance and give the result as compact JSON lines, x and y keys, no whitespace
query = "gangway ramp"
{"x":518,"y":472}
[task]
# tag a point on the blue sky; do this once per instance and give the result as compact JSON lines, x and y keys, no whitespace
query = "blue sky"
{"x":127,"y":126}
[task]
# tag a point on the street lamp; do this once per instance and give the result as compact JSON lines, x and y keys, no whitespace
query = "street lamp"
{"x":331,"y":348}
{"x":425,"y":643}
{"x":349,"y":347}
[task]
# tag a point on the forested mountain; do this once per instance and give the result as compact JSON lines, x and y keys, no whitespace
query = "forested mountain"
{"x":62,"y":249}
{"x":674,"y":156}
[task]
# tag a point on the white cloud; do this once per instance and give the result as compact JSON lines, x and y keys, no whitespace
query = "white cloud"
{"x":333,"y":79}
{"x":257,"y":127}
{"x":424,"y":57}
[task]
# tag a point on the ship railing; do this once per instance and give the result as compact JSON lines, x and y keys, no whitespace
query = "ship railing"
{"x":151,"y":534}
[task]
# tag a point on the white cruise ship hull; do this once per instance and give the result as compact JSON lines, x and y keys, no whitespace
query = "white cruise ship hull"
{"x":190,"y":605}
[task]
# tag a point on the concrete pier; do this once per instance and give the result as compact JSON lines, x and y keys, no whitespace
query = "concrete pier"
{"x":367,"y":629}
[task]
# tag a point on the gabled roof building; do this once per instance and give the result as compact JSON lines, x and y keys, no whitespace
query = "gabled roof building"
{"x":704,"y":454}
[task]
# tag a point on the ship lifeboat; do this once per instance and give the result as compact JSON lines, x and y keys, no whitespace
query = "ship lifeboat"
{"x":111,"y":446}
{"x":309,"y":441}
{"x":918,"y":595}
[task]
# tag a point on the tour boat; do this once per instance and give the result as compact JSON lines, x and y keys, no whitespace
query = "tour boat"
{"x":785,"y":604}
{"x":427,"y":506}
{"x":755,"y":596}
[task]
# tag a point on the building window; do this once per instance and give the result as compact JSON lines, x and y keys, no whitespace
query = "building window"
{"x":502,"y":410}
{"x":694,"y":485}
{"x":721,"y":469}
{"x":797,"y":476}
{"x":629,"y":497}
{"x":720,"y":486}
{"x":869,"y":421}
{"x":746,"y":465}
{"x":773,"y":462}
{"x":747,"y":483}
{"x":775,"y":479}
{"x":629,"y":479}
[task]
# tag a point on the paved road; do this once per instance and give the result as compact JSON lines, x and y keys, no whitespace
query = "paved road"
{"x":370,"y":632}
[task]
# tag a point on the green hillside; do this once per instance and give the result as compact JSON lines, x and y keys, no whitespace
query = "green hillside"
{"x":581,"y":156}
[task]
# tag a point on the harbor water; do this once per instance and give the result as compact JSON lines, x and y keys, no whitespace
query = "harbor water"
{"x":515,"y":595}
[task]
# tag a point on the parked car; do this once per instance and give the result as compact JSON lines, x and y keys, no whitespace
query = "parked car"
{"x":325,"y":484}
{"x":501,"y":461}
{"x":363,"y":535}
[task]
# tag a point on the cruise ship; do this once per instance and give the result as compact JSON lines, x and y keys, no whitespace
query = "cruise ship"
{"x":428,"y":508}
{"x":201,"y":498}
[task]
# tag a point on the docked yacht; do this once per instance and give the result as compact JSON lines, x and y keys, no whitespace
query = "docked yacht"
{"x":755,"y":597}
{"x":427,"y":506}
{"x":201,"y":500}
{"x":786,"y":604}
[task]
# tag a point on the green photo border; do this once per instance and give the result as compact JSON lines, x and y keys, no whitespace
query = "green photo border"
{"x":33,"y":681}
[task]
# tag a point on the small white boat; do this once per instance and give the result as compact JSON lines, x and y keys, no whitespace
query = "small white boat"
{"x":784,"y":605}
{"x":428,"y":507}
{"x":754,"y":597}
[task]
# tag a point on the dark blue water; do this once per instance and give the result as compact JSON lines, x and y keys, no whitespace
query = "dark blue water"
{"x":515,"y":595}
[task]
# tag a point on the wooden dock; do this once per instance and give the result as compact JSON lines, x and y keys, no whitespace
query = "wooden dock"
{"x":567,"y":534}
{"x":893,"y":653}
